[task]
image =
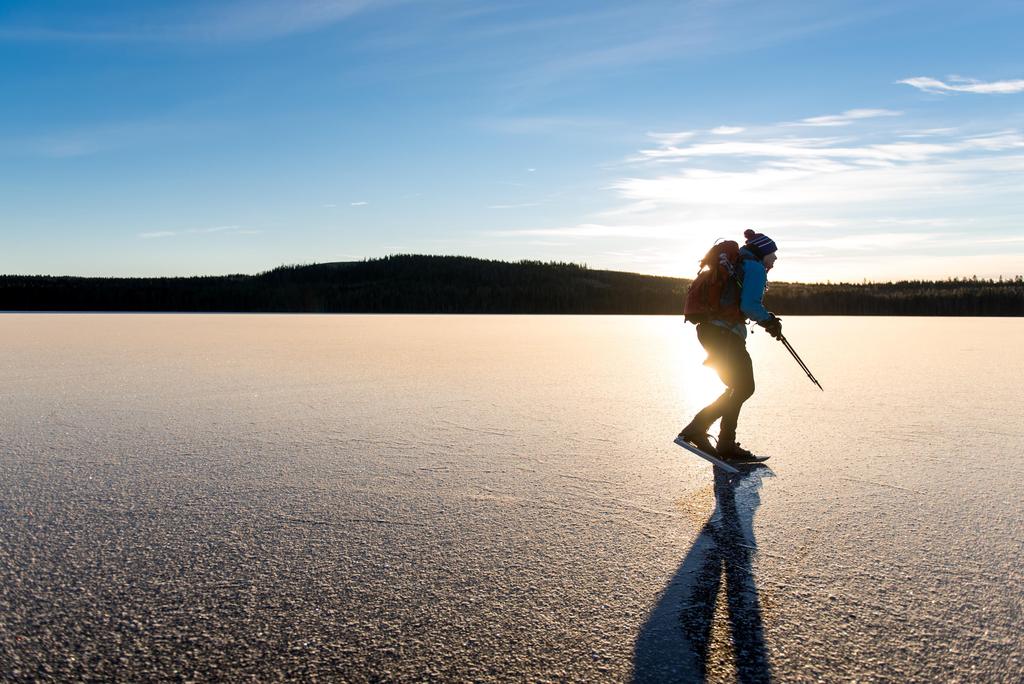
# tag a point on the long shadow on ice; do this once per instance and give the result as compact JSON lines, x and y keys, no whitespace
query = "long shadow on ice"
{"x":674,"y":644}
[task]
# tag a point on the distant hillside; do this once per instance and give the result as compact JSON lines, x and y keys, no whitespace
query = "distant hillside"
{"x":435,"y":284}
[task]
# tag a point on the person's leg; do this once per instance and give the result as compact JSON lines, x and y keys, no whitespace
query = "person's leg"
{"x":740,"y":380}
{"x":707,"y":416}
{"x":717,"y":344}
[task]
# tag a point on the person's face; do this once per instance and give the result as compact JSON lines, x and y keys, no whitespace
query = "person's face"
{"x":769,"y":260}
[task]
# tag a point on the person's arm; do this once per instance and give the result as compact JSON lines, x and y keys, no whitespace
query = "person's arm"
{"x":755,"y":278}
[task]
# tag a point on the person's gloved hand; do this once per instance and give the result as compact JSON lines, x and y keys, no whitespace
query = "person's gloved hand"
{"x":773,"y":326}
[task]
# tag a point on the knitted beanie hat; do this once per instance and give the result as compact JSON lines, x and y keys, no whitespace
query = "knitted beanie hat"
{"x":759,"y":243}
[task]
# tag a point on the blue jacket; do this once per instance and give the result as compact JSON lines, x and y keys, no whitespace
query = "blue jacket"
{"x":755,"y":280}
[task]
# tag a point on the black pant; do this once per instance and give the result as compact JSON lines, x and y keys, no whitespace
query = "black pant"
{"x":727,"y":354}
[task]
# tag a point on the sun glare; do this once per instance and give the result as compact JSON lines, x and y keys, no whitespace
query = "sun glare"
{"x":697,"y":385}
{"x":700,"y":385}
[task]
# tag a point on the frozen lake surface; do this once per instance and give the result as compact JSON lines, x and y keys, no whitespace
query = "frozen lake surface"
{"x":475,"y":498}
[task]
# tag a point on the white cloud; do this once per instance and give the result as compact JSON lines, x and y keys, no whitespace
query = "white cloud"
{"x":359,"y":204}
{"x":793,"y":148}
{"x":215,"y":229}
{"x":846,"y":118}
{"x":965,"y":85}
{"x":1002,"y":140}
{"x":727,"y":130}
{"x":230,"y":230}
{"x":860,"y":242}
{"x":928,"y":133}
{"x":593,"y":230}
{"x":934,"y":222}
{"x":838,"y":200}
{"x":897,"y":265}
{"x":829,"y":186}
{"x":672,"y":138}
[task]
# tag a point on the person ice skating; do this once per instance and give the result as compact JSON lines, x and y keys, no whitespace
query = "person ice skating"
{"x":722,"y":332}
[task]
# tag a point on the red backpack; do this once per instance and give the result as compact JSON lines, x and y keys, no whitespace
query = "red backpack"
{"x":714,"y":293}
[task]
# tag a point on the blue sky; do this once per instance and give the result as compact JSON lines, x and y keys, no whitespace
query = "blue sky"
{"x":872,"y":140}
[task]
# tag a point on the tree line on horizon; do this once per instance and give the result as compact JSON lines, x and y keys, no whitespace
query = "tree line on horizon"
{"x":443,"y":284}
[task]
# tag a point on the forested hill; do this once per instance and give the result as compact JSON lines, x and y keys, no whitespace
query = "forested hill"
{"x":435,"y":284}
